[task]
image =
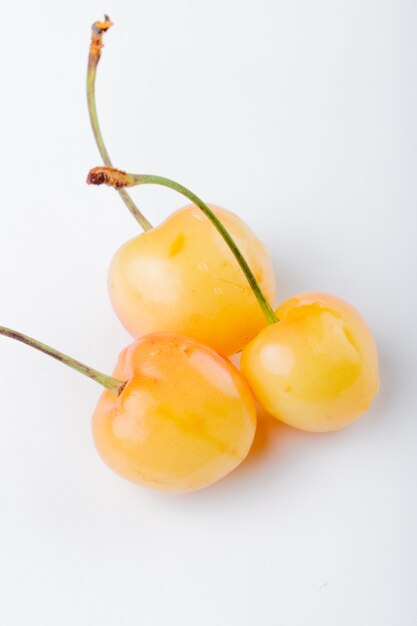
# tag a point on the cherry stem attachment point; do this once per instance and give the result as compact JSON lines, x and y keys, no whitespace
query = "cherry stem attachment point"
{"x":98,"y":29}
{"x":120,"y":179}
{"x":112,"y":384}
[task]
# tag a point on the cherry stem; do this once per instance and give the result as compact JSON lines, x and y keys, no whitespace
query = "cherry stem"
{"x":98,"y":29}
{"x":112,"y":384}
{"x":119,"y":179}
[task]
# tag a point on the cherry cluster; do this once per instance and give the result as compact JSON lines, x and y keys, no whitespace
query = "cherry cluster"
{"x":177,"y":415}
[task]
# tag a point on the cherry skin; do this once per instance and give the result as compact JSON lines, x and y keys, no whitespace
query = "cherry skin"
{"x":181,"y":277}
{"x":317,"y":368}
{"x":185,"y":418}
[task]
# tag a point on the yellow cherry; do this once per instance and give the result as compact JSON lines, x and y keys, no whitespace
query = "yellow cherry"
{"x":182,"y":277}
{"x":176,"y":416}
{"x":317,"y":368}
{"x":185,"y":418}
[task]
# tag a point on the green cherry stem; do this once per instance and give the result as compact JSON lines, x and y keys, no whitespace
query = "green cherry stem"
{"x":119,"y":179}
{"x":112,"y":384}
{"x":96,"y":45}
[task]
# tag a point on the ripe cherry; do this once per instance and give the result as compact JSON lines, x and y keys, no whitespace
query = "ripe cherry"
{"x":181,"y":277}
{"x":185,"y":418}
{"x":175,"y":416}
{"x":317,"y":369}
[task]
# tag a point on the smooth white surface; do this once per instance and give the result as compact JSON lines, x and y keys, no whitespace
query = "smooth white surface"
{"x":301,"y":117}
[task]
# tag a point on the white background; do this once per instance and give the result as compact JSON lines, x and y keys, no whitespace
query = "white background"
{"x":301,"y":117}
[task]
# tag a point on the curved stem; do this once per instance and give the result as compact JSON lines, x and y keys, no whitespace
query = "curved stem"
{"x":119,"y":179}
{"x":96,"y":45}
{"x":112,"y":384}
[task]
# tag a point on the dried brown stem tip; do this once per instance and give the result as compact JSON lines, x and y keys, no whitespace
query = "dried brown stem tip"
{"x":98,"y":28}
{"x":110,"y":176}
